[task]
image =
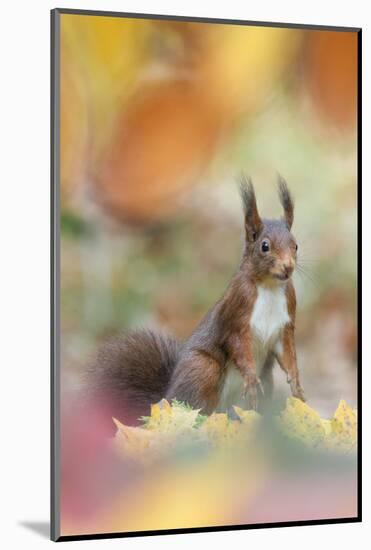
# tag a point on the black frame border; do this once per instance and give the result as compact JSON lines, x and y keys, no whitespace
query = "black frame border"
{"x":55,"y":275}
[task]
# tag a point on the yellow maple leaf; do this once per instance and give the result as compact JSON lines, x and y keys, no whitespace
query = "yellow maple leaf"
{"x":346,"y":421}
{"x":219,"y":429}
{"x":171,"y":419}
{"x":300,"y":421}
{"x":170,"y":423}
{"x":343,"y":433}
{"x":248,"y":418}
{"x":131,"y":441}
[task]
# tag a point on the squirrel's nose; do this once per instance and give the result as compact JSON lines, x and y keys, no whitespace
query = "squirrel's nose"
{"x":288,"y":269}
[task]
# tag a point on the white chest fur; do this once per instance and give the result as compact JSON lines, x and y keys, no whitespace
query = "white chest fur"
{"x":269,"y":314}
{"x":268,"y":318}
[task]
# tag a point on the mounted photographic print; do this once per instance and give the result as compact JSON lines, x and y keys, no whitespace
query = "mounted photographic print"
{"x":205,"y":291}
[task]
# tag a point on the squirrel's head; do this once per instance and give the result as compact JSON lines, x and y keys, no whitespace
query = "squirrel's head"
{"x":271,"y":249}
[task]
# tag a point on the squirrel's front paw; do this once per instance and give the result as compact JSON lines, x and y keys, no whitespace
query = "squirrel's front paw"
{"x":251,"y":385}
{"x":297,"y":390}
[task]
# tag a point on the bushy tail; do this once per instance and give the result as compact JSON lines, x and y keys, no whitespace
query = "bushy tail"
{"x":130,"y":372}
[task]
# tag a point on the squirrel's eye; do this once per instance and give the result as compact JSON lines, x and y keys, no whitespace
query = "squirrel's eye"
{"x":296,"y":247}
{"x":265,"y":246}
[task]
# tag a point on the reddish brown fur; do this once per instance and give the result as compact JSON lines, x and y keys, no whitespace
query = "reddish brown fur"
{"x":225,"y":332}
{"x":287,"y":360}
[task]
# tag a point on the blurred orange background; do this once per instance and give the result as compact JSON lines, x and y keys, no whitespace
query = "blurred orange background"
{"x":157,"y":118}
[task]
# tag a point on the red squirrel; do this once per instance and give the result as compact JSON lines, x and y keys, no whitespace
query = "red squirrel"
{"x":229,"y":357}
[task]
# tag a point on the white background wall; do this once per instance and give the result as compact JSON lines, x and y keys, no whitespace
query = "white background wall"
{"x":24,"y":267}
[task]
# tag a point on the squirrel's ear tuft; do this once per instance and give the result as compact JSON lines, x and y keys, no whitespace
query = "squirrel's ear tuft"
{"x":286,"y":201}
{"x":253,"y":223}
